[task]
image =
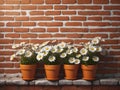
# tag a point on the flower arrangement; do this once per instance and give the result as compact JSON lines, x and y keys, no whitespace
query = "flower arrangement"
{"x":26,"y":52}
{"x":91,"y":51}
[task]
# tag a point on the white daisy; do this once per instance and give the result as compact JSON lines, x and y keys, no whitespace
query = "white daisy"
{"x":77,"y":61}
{"x":15,"y":46}
{"x":85,"y":58}
{"x":75,"y":49}
{"x":69,"y":51}
{"x":40,"y":56}
{"x":28,"y":54}
{"x":95,"y":41}
{"x":78,"y":55}
{"x":52,"y":58}
{"x":54,"y":49}
{"x":95,"y":58}
{"x":12,"y":57}
{"x":47,"y":48}
{"x":60,"y":50}
{"x":45,"y":53}
{"x":92,"y":48}
{"x":62,"y":45}
{"x":22,"y":43}
{"x":71,"y":60}
{"x":63,"y":55}
{"x":20,"y":52}
{"x":99,"y":49}
{"x":83,"y":51}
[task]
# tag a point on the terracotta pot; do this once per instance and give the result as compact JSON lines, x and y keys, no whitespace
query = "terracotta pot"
{"x":89,"y":72}
{"x":71,"y":71}
{"x":28,"y":71}
{"x":52,"y":72}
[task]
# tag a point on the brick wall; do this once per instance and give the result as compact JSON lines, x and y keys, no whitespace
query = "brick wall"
{"x":74,"y":21}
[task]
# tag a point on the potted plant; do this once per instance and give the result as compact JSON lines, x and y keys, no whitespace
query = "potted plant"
{"x":71,"y":61}
{"x":49,"y":55}
{"x":90,"y":52}
{"x":26,"y":52}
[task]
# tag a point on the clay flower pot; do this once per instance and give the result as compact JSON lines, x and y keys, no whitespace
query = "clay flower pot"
{"x":28,"y":71}
{"x":71,"y":71}
{"x":52,"y":72}
{"x":89,"y":72}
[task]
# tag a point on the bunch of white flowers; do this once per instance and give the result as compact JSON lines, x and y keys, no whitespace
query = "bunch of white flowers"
{"x":91,"y":50}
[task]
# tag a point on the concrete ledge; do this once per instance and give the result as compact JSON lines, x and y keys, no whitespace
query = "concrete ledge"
{"x":43,"y":81}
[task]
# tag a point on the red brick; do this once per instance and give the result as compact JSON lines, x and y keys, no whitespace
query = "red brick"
{"x":95,"y":35}
{"x":29,"y":35}
{"x":11,"y":71}
{"x":52,"y":29}
{"x":96,"y":23}
{"x":1,"y":35}
{"x":1,"y":13}
{"x":66,"y":40}
{"x":42,"y":18}
{"x":21,"y":18}
{"x":94,"y":13}
{"x":106,"y":88}
{"x":100,"y":1}
{"x":104,"y":30}
{"x":115,"y":47}
{"x":36,"y":13}
{"x":112,"y":7}
{"x":21,"y":29}
{"x":12,"y":35}
{"x":68,"y":12}
{"x":25,"y":1}
{"x":78,"y":18}
{"x":116,"y":35}
{"x":37,"y":30}
{"x":53,"y":1}
{"x":14,"y":24}
{"x":44,"y":35}
{"x":50,"y":24}
{"x":1,"y":59}
{"x":17,"y":65}
{"x":6,"y":18}
{"x":52,"y":13}
{"x":60,"y":7}
{"x":112,"y":18}
{"x":84,"y":1}
{"x":45,"y":7}
{"x":73,"y":24}
{"x":6,"y":29}
{"x":37,"y":1}
{"x":23,"y":13}
{"x":115,"y":23}
{"x":115,"y":1}
{"x":12,"y":13}
{"x":30,"y":7}
{"x":58,"y":35}
{"x":12,"y":1}
{"x":68,"y":1}
{"x":85,"y":7}
{"x":1,"y":24}
{"x":38,"y":40}
{"x":116,"y":12}
{"x":1,"y":1}
{"x":73,"y":29}
{"x":17,"y":41}
{"x":74,"y":35}
{"x":6,"y":65}
{"x":114,"y":53}
{"x":29,"y":23}
{"x":111,"y":42}
{"x":62,"y":18}
{"x":6,"y":52}
{"x":95,"y":18}
{"x":1,"y":47}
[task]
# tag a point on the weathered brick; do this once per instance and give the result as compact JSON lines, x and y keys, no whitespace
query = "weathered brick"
{"x":68,"y":1}
{"x":53,"y":1}
{"x":84,"y":1}
{"x":100,"y":1}
{"x":14,"y":24}
{"x":115,"y":1}
{"x":60,"y":7}
{"x":50,"y":24}
{"x":37,"y":1}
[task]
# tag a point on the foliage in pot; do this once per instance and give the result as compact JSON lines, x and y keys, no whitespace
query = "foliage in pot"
{"x":91,"y":52}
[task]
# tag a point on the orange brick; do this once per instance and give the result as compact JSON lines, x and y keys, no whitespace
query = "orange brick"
{"x":96,"y":23}
{"x":12,"y":13}
{"x":25,"y":1}
{"x":1,"y":35}
{"x":41,"y":18}
{"x":85,"y":7}
{"x":36,"y":13}
{"x":53,"y":1}
{"x":38,"y":30}
{"x":21,"y":18}
{"x":6,"y":18}
{"x":37,"y":1}
{"x":73,"y":29}
{"x":12,"y":1}
{"x":37,"y":41}
{"x":84,"y":1}
{"x":115,"y":1}
{"x":62,"y":18}
{"x":60,"y":7}
{"x":29,"y":23}
{"x":52,"y":13}
{"x":14,"y":24}
{"x":44,"y":35}
{"x":29,"y":35}
{"x":30,"y":7}
{"x":1,"y":24}
{"x":50,"y":24}
{"x":52,"y":29}
{"x":12,"y":35}
{"x":100,"y":1}
{"x":45,"y":7}
{"x":23,"y":13}
{"x":94,"y":13}
{"x":1,"y":13}
{"x":112,"y":7}
{"x":1,"y":1}
{"x":68,"y":12}
{"x":68,"y":1}
{"x":78,"y":18}
{"x":73,"y":24}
